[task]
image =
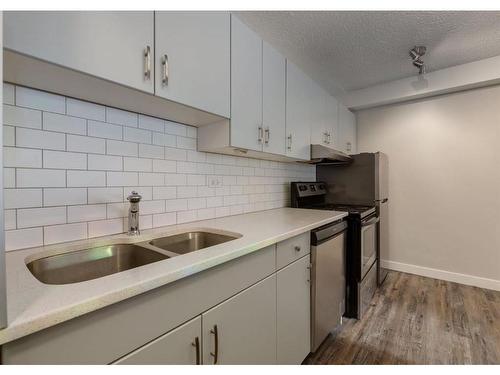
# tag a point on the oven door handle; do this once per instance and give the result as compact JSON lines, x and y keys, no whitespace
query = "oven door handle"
{"x":370,"y":222}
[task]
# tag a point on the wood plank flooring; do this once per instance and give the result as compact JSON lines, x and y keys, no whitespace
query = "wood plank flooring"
{"x":419,"y":320}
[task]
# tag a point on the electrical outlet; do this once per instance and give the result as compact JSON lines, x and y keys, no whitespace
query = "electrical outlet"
{"x":214,"y":181}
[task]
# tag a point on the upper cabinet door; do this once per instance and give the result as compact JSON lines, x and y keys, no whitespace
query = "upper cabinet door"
{"x":331,"y":120}
{"x":274,"y":100}
{"x":347,"y":131}
{"x":117,"y":46}
{"x":242,"y":330}
{"x":193,"y":59}
{"x":299,"y":109}
{"x":246,"y":87}
{"x":319,"y":113}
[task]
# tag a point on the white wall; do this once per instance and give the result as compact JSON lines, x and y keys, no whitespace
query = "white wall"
{"x":69,"y":166}
{"x":444,"y":181}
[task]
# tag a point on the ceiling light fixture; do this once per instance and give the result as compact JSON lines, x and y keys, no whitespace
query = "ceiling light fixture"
{"x":416,"y":54}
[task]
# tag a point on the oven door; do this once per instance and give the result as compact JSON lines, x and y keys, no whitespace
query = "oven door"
{"x":369,"y":242}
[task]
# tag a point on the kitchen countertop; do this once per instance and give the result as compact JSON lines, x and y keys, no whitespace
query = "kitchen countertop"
{"x":33,"y":306}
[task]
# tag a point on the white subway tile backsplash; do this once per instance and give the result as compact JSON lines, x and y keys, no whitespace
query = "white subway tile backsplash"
{"x":151,"y":179}
{"x":89,"y":212}
{"x":86,"y":144}
{"x":86,"y":178}
{"x":120,"y":117}
{"x":104,"y":130}
{"x":151,"y":123}
{"x":9,"y":178}
{"x":9,"y":92}
{"x":150,"y":151}
{"x":105,"y":163}
{"x":164,"y":192}
{"x":9,"y":135}
{"x":86,"y":110}
{"x":64,"y":160}
{"x":105,"y":227}
{"x":164,"y":166}
{"x":186,"y":216}
{"x":37,"y":217}
{"x":161,"y":139}
{"x":168,"y":218}
{"x":21,"y":198}
{"x":27,"y":178}
{"x":26,"y":97}
{"x":40,"y":139}
{"x":186,"y":143}
{"x":122,"y":178}
{"x":137,"y":164}
{"x":137,"y":135}
{"x":172,"y":205}
{"x":175,"y":129}
{"x":24,"y":117}
{"x":23,"y":238}
{"x":10,"y":219}
{"x":64,"y":124}
{"x":73,"y":176}
{"x":64,"y":233}
{"x":64,"y":196}
{"x":121,"y":148}
{"x":22,"y":157}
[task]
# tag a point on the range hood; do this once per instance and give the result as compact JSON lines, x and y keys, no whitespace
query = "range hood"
{"x":325,"y":155}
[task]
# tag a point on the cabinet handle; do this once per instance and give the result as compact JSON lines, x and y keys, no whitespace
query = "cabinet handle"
{"x":260,"y":135}
{"x":214,"y":331}
{"x":289,"y":142}
{"x":329,"y":137}
{"x":267,"y":134}
{"x":297,"y":248}
{"x":325,"y":139}
{"x":164,"y":64}
{"x":348,"y":146}
{"x":147,"y":63}
{"x":196,"y":345}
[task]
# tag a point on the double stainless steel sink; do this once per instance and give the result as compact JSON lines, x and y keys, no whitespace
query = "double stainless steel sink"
{"x":88,"y":264}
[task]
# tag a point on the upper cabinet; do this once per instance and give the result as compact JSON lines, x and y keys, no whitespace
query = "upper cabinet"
{"x":300,"y":98}
{"x":346,"y":140}
{"x":324,"y":127}
{"x":116,"y":46}
{"x":192,"y":62}
{"x":246,"y":87}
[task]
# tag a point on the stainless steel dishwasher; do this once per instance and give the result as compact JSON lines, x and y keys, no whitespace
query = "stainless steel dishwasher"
{"x":328,"y":247}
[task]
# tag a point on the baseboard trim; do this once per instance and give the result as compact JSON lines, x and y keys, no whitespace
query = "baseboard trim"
{"x":460,"y":278}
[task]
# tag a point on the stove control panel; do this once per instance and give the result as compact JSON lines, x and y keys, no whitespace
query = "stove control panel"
{"x":307,"y":189}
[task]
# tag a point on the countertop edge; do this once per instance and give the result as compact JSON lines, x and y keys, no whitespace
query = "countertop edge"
{"x":39,"y":323}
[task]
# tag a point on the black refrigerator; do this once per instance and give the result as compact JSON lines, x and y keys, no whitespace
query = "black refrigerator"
{"x":363,"y":181}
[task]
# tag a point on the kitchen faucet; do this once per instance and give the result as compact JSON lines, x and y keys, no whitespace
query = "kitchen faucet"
{"x":133,"y":214}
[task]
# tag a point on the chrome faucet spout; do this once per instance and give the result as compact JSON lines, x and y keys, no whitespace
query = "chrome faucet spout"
{"x":133,"y":214}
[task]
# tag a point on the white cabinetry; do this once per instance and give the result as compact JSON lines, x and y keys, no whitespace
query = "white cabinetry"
{"x":181,"y":346}
{"x":242,"y":330}
{"x":324,"y":124}
{"x":299,"y":107}
{"x":346,"y":140}
{"x":273,"y":100}
{"x":193,"y":59}
{"x":293,"y":312}
{"x":116,"y":46}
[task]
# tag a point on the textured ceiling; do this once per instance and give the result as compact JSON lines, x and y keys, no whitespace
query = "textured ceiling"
{"x":351,"y":50}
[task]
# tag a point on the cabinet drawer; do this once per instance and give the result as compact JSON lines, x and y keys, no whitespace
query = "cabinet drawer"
{"x":292,"y":249}
{"x":181,"y":346}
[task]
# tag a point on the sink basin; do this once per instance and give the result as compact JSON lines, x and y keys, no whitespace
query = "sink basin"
{"x":184,"y":243}
{"x":92,"y":263}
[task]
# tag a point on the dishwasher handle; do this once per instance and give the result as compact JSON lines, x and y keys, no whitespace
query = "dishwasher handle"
{"x":328,"y":231}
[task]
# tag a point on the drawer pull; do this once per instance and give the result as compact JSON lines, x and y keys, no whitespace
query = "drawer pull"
{"x":297,"y":248}
{"x":196,"y":345}
{"x":214,"y":331}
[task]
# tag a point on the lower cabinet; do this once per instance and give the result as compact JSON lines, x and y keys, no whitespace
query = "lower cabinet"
{"x":293,"y":312}
{"x":181,"y":346}
{"x":242,"y":330}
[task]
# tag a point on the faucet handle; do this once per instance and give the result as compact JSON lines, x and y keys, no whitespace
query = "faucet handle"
{"x":134,"y":197}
